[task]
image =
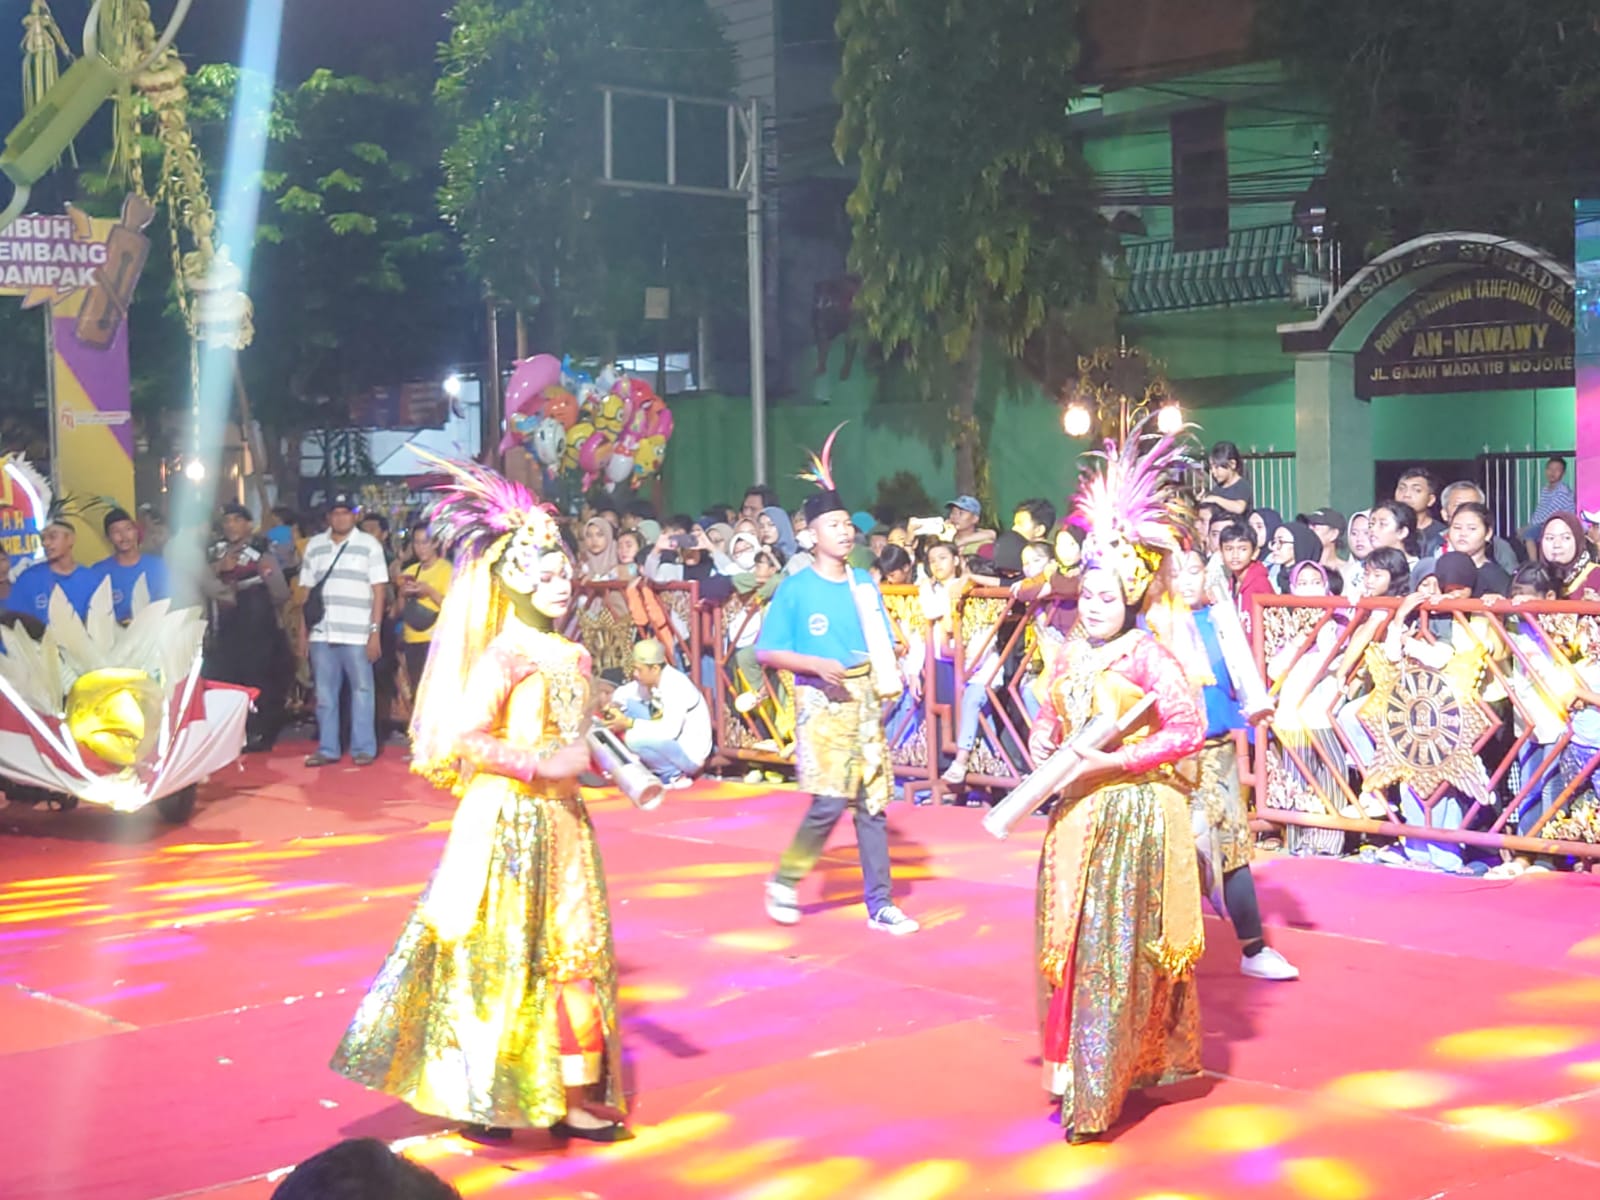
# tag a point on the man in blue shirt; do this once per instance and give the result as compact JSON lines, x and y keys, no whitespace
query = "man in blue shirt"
{"x":31,"y":591}
{"x":814,"y":628}
{"x":127,"y":564}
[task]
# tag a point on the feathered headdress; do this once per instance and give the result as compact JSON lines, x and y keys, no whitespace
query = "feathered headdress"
{"x":480,"y":513}
{"x":1126,"y":503}
{"x":496,"y":532}
{"x":826,"y":500}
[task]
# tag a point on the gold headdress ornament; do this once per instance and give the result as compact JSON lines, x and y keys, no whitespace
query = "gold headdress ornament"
{"x":1127,"y":506}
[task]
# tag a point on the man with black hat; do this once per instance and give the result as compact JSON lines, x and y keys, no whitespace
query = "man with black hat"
{"x":344,"y":568}
{"x":127,"y":564}
{"x":245,"y":643}
{"x":827,"y":624}
{"x":31,"y":591}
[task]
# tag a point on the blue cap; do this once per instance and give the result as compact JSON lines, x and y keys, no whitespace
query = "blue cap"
{"x":968,"y":503}
{"x":862,"y":521}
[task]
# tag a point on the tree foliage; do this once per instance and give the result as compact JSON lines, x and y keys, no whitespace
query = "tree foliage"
{"x":356,"y":280}
{"x":973,"y":216}
{"x":520,"y":84}
{"x":1449,"y":114}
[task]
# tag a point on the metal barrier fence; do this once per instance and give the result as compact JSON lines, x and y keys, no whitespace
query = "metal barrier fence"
{"x":1470,"y":726}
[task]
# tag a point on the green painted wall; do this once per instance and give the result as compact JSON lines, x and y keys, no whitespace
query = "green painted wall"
{"x":1463,"y":426}
{"x":1029,"y":455}
{"x":710,"y":456}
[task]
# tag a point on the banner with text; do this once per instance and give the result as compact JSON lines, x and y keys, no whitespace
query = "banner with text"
{"x":1480,"y":330}
{"x":84,"y":270}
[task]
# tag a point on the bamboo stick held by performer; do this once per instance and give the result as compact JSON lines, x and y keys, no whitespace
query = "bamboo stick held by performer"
{"x":1060,"y":769}
{"x":498,"y":1005}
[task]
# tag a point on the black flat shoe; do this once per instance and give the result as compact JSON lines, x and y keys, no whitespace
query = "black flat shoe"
{"x":486,"y":1133}
{"x":605,"y":1133}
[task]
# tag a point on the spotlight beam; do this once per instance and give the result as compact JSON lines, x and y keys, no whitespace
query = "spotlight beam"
{"x":239,"y":219}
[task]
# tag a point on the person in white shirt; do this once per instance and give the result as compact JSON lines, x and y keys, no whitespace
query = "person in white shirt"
{"x":662,"y":717}
{"x":349,"y":568}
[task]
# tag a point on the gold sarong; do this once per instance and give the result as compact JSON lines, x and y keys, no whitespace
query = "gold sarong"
{"x":840,"y":747}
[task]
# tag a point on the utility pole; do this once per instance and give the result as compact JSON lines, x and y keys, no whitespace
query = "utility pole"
{"x":755,"y":254}
{"x":743,"y":182}
{"x":490,"y":395}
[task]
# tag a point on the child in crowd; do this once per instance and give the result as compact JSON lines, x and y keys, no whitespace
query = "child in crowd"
{"x":1246,"y":578}
{"x":629,"y":546}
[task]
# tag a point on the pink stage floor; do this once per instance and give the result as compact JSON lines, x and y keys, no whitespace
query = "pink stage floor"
{"x":169,"y":999}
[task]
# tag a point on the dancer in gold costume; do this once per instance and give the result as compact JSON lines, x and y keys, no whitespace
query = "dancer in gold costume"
{"x":1119,"y":902}
{"x":497,"y":1006}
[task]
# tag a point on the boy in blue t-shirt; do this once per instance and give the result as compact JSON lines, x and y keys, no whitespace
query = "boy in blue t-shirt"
{"x":813,"y":627}
{"x":31,"y":591}
{"x":1226,"y":843}
{"x":126,"y":564}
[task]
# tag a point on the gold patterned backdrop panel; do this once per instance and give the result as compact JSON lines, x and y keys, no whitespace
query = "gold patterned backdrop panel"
{"x":979,"y":617}
{"x":1280,"y":625}
{"x":607,"y":636}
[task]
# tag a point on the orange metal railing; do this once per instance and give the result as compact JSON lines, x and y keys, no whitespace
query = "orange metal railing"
{"x":1492,"y":681}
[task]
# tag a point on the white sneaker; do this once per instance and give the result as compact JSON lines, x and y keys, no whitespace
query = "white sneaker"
{"x":747,"y":702}
{"x":783,"y":903}
{"x":1268,"y":964}
{"x":891,"y":920}
{"x":754,"y":775}
{"x":681,"y":782}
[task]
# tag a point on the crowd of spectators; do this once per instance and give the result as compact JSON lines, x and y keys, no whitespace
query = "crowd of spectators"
{"x":374,"y":588}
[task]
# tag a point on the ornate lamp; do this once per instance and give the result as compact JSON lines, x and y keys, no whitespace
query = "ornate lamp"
{"x":1121,"y":385}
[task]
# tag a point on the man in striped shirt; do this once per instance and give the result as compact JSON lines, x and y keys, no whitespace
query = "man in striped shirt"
{"x":349,"y":567}
{"x":1555,"y":497}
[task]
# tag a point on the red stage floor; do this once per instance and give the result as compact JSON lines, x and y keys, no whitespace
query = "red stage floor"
{"x":169,"y":999}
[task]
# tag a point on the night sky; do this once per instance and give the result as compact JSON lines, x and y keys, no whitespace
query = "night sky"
{"x":377,"y":36}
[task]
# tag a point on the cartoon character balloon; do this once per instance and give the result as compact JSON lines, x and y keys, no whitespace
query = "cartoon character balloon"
{"x":529,"y":378}
{"x":619,"y":468}
{"x":549,"y":442}
{"x":594,"y":455}
{"x":609,"y":426}
{"x":647,"y":456}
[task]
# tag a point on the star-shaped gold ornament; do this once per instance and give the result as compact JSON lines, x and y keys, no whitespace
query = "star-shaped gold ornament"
{"x":1426,"y":724}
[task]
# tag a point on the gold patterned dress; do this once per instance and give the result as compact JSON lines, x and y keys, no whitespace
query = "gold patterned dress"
{"x":1119,"y":902}
{"x":501,"y":990}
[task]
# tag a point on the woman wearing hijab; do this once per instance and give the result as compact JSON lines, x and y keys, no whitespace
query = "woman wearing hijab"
{"x":1359,"y":536}
{"x":775,"y":529}
{"x":1265,"y":523}
{"x":1565,"y":553}
{"x":718,"y":533}
{"x":599,"y":560}
{"x":1292,"y":543}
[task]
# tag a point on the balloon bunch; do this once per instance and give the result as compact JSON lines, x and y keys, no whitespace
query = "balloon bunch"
{"x":611,"y":426}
